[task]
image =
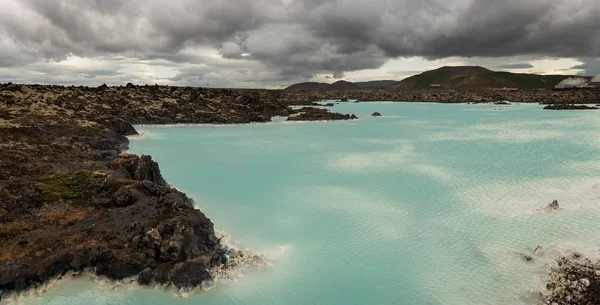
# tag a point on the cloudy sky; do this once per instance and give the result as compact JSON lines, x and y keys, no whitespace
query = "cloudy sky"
{"x":274,"y":43}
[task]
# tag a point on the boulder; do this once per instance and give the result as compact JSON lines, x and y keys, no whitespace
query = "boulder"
{"x":189,"y":275}
{"x":376,"y":114}
{"x":145,"y":277}
{"x":148,"y":170}
{"x":553,"y":206}
{"x":171,"y":249}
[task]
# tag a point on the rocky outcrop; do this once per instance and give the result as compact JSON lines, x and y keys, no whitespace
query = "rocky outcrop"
{"x":70,"y":201}
{"x":121,"y":222}
{"x":318,"y":114}
{"x":569,"y":107}
{"x":553,"y":206}
{"x":376,"y":114}
{"x":572,"y":281}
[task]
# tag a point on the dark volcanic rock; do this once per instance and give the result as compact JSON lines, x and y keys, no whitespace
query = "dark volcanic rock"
{"x":569,"y":107}
{"x":148,"y":170}
{"x":376,"y":114}
{"x":318,"y":114}
{"x":553,"y":206}
{"x":139,"y":233}
{"x":447,"y":96}
{"x":573,"y":280}
{"x":69,"y":201}
{"x":190,"y":274}
{"x":117,"y":125}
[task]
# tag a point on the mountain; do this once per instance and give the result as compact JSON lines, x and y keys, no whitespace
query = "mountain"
{"x":475,"y":77}
{"x":342,"y":85}
{"x":309,"y":86}
{"x":377,"y":84}
{"x":339,"y":85}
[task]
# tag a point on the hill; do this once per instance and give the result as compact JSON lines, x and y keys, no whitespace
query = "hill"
{"x":475,"y":77}
{"x":342,"y":85}
{"x":377,"y":84}
{"x":339,"y":85}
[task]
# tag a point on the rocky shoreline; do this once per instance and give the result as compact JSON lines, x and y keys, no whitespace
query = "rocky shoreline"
{"x":294,"y":97}
{"x":572,"y":280}
{"x":70,"y":200}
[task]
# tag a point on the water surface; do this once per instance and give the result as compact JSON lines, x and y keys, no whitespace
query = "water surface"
{"x":429,"y":204}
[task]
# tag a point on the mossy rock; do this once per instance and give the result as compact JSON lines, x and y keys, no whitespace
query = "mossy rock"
{"x":69,"y":186}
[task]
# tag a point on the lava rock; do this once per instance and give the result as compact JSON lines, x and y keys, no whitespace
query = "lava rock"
{"x":318,"y":114}
{"x":569,"y":107}
{"x":553,"y":206}
{"x":189,"y":275}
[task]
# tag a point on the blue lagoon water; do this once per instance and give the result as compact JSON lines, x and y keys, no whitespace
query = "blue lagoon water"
{"x":429,"y":204}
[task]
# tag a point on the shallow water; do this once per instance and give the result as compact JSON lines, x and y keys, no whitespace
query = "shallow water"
{"x":429,"y":204}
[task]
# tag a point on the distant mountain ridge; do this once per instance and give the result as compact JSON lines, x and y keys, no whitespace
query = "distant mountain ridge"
{"x":457,"y":77}
{"x":476,"y":77}
{"x":342,"y":85}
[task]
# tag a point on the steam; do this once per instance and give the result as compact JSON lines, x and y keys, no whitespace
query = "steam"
{"x":573,"y":82}
{"x":596,"y":79}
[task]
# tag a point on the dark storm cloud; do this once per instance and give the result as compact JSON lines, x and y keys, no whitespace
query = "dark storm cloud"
{"x":516,"y":66}
{"x":296,"y":38}
{"x":589,"y":66}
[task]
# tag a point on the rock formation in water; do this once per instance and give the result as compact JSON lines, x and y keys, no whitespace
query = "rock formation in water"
{"x":376,"y":114}
{"x":318,"y":114}
{"x":572,"y":281}
{"x":569,"y":107}
{"x":553,"y":206}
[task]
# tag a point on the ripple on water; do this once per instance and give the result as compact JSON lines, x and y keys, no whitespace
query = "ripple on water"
{"x":430,"y":205}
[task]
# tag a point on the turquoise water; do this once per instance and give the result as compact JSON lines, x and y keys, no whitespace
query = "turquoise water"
{"x":429,"y":204}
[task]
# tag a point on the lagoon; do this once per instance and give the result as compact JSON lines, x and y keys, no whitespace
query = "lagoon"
{"x":428,"y":204}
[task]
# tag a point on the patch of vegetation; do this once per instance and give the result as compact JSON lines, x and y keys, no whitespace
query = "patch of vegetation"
{"x":68,"y":186}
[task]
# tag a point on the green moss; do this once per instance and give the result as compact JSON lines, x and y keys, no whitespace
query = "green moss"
{"x":68,"y":186}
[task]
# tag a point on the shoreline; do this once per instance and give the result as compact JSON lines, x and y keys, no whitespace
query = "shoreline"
{"x":231,"y":274}
{"x":66,"y":186}
{"x":85,"y":204}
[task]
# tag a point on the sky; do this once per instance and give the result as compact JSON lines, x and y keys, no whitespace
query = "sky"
{"x":275,"y":43}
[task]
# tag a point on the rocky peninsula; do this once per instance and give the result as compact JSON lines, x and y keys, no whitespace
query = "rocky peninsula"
{"x":71,"y":201}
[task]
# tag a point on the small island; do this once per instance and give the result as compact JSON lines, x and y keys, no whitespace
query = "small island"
{"x":318,"y":114}
{"x":569,"y":107}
